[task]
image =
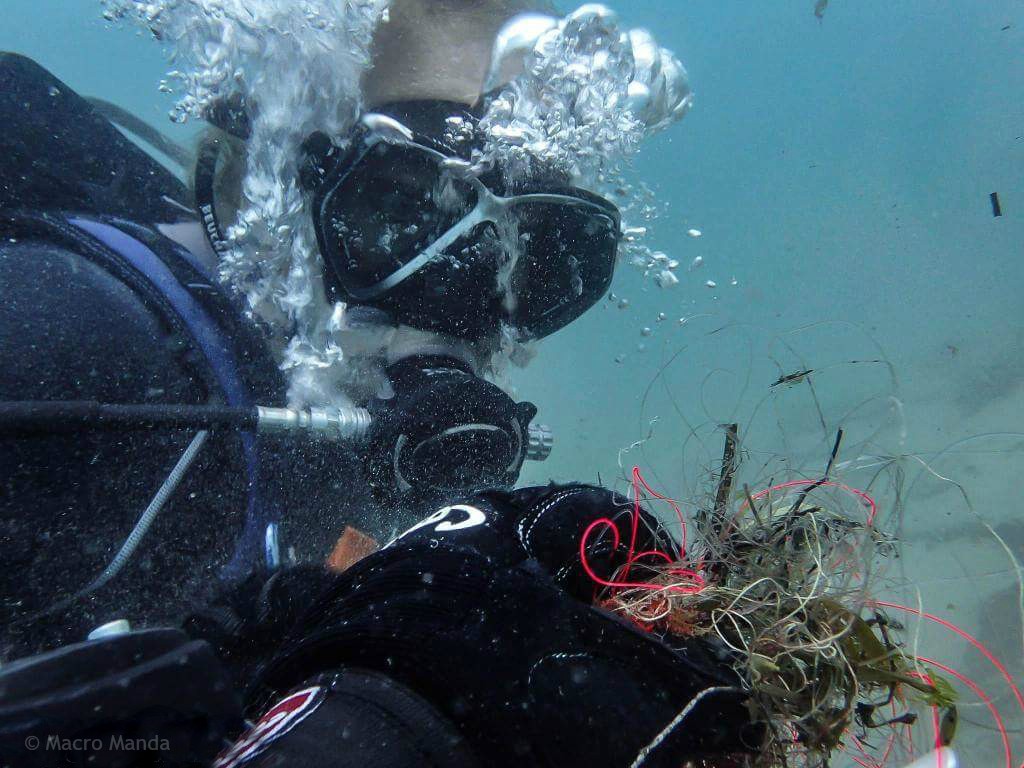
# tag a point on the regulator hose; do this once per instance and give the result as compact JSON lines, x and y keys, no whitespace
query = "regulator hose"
{"x":40,"y":417}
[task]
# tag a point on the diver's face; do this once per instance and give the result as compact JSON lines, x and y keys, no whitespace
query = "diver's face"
{"x":410,"y":229}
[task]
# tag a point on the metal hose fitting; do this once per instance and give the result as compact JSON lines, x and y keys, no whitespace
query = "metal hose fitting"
{"x":540,"y":441}
{"x":344,"y":424}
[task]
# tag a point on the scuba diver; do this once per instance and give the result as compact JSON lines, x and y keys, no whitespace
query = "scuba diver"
{"x":472,"y":639}
{"x":151,"y":466}
{"x":147,"y":451}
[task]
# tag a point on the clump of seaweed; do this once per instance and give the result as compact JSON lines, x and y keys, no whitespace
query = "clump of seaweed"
{"x":782,"y":579}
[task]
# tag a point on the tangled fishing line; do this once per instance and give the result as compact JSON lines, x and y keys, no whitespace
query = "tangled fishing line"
{"x":781,"y":580}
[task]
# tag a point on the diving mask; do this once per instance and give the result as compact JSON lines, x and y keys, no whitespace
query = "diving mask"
{"x":403,"y":224}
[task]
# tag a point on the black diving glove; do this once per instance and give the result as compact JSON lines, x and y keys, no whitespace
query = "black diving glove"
{"x":247,"y":622}
{"x":551,"y":521}
{"x":481,"y":611}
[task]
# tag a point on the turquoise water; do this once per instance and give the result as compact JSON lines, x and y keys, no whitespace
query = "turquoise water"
{"x":839,"y":170}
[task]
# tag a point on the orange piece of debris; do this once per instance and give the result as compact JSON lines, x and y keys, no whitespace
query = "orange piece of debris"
{"x":352,"y":546}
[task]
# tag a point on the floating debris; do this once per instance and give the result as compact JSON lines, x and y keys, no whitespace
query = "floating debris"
{"x":697,"y":262}
{"x":997,"y":210}
{"x":612,"y":297}
{"x":694,"y":232}
{"x":661,"y":317}
{"x":734,"y":281}
{"x":623,"y":303}
{"x":783,"y":584}
{"x":646,"y":331}
{"x":620,"y":358}
{"x":792,"y":378}
{"x":711,"y":284}
{"x":819,"y":9}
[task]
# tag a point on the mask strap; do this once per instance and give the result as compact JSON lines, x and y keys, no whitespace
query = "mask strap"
{"x":205,"y":173}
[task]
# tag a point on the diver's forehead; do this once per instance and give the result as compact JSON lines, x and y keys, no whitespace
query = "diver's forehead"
{"x":433,"y":50}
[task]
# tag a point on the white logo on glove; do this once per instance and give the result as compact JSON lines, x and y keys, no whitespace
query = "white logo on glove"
{"x":474,"y":517}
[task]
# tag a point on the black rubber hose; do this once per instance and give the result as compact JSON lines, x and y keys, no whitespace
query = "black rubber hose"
{"x":42,"y":417}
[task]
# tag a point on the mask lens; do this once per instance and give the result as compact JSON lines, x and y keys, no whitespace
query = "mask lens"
{"x":393,"y":204}
{"x":566,"y":265}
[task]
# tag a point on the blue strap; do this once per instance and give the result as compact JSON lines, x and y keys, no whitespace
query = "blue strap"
{"x":218,"y":351}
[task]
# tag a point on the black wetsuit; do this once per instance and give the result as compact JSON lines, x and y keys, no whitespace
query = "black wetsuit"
{"x":99,"y":305}
{"x":472,"y":640}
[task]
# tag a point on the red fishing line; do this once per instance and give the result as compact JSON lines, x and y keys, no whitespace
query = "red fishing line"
{"x":868,"y":761}
{"x":655,"y":553}
{"x":632,"y":556}
{"x":985,"y":698}
{"x":969,"y":638}
{"x":638,"y":480}
{"x":863,"y":764}
{"x":938,"y":740}
{"x":679,"y":588}
{"x":890,"y":742}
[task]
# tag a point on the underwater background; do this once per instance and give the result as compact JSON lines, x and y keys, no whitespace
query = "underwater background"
{"x":838,"y":167}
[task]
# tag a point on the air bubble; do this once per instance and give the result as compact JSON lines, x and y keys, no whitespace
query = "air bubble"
{"x":666,"y":278}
